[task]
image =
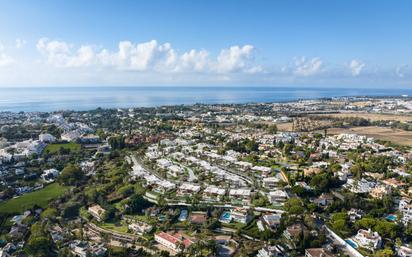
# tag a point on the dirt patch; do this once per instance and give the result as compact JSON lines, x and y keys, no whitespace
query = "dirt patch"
{"x":396,"y":136}
{"x":369,"y":116}
{"x":284,"y":126}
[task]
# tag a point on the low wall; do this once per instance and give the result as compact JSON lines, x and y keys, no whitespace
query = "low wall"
{"x":348,"y":248}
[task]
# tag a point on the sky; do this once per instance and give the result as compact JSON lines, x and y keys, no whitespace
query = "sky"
{"x":206,"y":43}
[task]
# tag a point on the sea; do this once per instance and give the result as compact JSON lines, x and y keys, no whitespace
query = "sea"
{"x":46,"y":99}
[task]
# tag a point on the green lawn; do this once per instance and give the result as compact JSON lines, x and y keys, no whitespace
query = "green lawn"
{"x":40,"y":197}
{"x":114,"y":227}
{"x":54,"y":148}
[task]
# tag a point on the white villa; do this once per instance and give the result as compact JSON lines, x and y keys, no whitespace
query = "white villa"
{"x":368,"y":239}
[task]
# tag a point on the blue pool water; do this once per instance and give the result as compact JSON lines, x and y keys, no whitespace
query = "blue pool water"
{"x":226,"y":217}
{"x":351,"y":243}
{"x":183,"y":215}
{"x":391,"y":217}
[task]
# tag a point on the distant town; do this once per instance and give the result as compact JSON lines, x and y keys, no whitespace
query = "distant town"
{"x":314,"y":178}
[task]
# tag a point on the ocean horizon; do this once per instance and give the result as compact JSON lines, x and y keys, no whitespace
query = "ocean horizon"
{"x":47,"y":99}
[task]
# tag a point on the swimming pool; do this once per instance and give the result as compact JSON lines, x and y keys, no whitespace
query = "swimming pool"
{"x":226,"y":217}
{"x":391,"y":217}
{"x":351,"y":243}
{"x":162,"y":217}
{"x":183,"y":215}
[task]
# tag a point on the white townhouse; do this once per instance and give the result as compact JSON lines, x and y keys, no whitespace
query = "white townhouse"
{"x":405,"y":207}
{"x":277,"y":196}
{"x":213,"y":193}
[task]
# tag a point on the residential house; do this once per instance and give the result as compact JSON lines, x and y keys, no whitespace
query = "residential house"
{"x":368,"y":239}
{"x":240,"y":195}
{"x":380,"y":191}
{"x":294,"y":231}
{"x":405,"y":207}
{"x":270,"y":182}
{"x":188,"y":189}
{"x":270,"y":251}
{"x":97,"y":211}
{"x":271,"y":220}
{"x":47,"y":138}
{"x":140,"y":228}
{"x":323,"y":200}
{"x":213,"y":193}
{"x":277,"y":196}
{"x":405,"y":251}
{"x":240,"y":215}
{"x":173,"y":241}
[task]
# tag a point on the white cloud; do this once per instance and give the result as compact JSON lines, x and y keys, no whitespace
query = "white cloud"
{"x":149,"y":56}
{"x":400,"y":71}
{"x":160,"y":63}
{"x":234,"y":59}
{"x":57,"y":52}
{"x":20,"y":43}
{"x":356,"y":67}
{"x":308,"y":67}
{"x":5,"y":59}
{"x":194,"y":61}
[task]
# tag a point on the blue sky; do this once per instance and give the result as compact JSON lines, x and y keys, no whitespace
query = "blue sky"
{"x":313,"y":43}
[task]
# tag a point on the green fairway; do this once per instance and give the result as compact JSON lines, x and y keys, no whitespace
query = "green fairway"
{"x":40,"y":197}
{"x":54,"y":148}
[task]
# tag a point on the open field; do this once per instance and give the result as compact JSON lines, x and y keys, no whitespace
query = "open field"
{"x":54,"y":148}
{"x":287,"y":126}
{"x":40,"y":197}
{"x":395,"y":136}
{"x":370,"y":116}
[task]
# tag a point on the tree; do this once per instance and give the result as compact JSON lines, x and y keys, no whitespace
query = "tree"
{"x":322,"y":182}
{"x":38,"y":246}
{"x":71,"y":210}
{"x":340,"y":223}
{"x":126,"y":190}
{"x":385,"y":253}
{"x":294,"y":206}
{"x":71,"y":175}
{"x":117,"y":142}
{"x":408,"y":231}
{"x":38,"y":243}
{"x":49,"y":213}
{"x":272,"y":129}
{"x":137,"y":204}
